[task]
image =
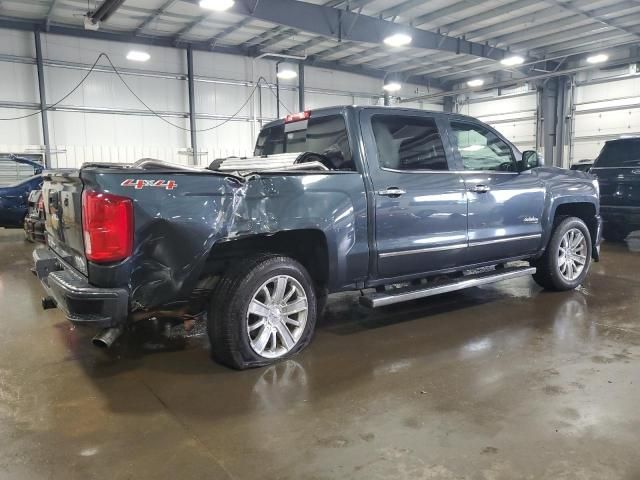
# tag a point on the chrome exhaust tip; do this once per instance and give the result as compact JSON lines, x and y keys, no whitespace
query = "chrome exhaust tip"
{"x":107,"y":337}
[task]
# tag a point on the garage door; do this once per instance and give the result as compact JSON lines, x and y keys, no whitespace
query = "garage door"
{"x":604,"y":112}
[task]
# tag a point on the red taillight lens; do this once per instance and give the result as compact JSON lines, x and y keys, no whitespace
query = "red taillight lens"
{"x":107,"y":224}
{"x":297,"y":117}
{"x":41,"y":205}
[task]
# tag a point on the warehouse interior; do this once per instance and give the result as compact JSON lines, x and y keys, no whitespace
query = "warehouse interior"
{"x":503,"y":381}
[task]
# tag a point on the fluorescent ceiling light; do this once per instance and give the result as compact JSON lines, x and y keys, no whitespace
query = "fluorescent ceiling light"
{"x":286,"y":71}
{"x":138,"y":56}
{"x":217,"y":5}
{"x":392,"y":86}
{"x":398,"y":40}
{"x":477,"y":82}
{"x":601,"y":57}
{"x":513,"y":60}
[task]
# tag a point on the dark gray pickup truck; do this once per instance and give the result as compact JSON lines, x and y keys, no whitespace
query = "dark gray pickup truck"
{"x":398,"y":203}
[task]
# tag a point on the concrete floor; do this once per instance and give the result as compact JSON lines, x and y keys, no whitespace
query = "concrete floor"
{"x":504,"y":382}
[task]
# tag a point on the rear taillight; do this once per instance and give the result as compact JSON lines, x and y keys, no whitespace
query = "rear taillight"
{"x":297,"y":117}
{"x":107,"y":224}
{"x":41,"y":205}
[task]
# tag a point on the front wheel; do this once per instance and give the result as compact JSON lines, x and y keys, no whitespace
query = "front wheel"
{"x":565,"y":263}
{"x":263,"y":310}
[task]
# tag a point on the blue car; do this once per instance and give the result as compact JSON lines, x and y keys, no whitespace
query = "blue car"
{"x":14,"y":198}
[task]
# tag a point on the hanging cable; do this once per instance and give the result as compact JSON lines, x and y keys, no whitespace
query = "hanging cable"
{"x":261,"y":79}
{"x":39,"y":111}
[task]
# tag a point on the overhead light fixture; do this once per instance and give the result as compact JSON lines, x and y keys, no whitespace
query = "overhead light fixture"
{"x":138,"y":56}
{"x":216,"y":5}
{"x":392,"y":82}
{"x":512,"y":60}
{"x":599,"y":58}
{"x":476,"y":82}
{"x":286,"y":71}
{"x":398,"y":40}
{"x":392,"y":86}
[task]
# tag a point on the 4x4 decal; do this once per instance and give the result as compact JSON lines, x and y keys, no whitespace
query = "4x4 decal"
{"x":140,"y":184}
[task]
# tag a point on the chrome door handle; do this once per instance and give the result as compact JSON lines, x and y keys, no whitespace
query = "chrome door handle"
{"x":391,"y":192}
{"x":479,"y":188}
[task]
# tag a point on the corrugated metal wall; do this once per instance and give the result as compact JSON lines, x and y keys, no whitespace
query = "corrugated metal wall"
{"x":103,"y":121}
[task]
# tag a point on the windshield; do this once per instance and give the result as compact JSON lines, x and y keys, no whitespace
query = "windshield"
{"x":325,"y":135}
{"x":620,"y":153}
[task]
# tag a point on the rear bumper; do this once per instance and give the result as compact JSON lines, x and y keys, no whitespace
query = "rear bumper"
{"x":81,"y":302}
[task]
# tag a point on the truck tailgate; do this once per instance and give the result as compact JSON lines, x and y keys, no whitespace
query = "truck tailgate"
{"x":62,"y":194}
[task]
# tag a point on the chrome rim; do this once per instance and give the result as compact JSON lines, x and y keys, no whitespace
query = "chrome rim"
{"x":572,"y":257}
{"x":276,"y":316}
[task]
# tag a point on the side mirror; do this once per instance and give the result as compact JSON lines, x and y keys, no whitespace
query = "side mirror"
{"x":530,"y":159}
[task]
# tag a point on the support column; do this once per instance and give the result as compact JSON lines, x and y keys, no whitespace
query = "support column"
{"x":554,"y":119}
{"x":43,"y":100}
{"x":277,"y":90}
{"x":448,"y":105}
{"x":192,"y":106}
{"x":300,"y":87}
{"x":561,"y":121}
{"x":549,"y":120}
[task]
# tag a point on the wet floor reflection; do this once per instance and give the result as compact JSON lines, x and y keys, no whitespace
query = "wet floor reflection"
{"x":464,"y":385}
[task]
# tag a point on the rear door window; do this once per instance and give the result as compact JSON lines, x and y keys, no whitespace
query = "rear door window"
{"x":620,"y":153}
{"x":326,"y":135}
{"x":408,"y":143}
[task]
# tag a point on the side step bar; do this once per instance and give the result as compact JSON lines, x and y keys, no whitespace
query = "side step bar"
{"x":375,"y":300}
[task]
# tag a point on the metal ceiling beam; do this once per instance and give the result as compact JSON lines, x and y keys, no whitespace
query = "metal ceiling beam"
{"x":147,"y":21}
{"x":242,"y":23}
{"x":21,"y":24}
{"x":47,"y":18}
{"x":585,"y":40}
{"x":492,"y":14}
{"x":594,"y":44}
{"x":572,"y":34}
{"x":585,"y":14}
{"x":400,"y":9}
{"x":507,"y":83}
{"x":230,"y":29}
{"x":346,"y":25}
{"x":286,"y":33}
{"x":527,"y":23}
{"x":551,"y":56}
{"x":443,"y":12}
{"x":104,"y":11}
{"x":528,"y":31}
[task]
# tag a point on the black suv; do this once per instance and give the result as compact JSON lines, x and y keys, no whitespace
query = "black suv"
{"x":618,"y":170}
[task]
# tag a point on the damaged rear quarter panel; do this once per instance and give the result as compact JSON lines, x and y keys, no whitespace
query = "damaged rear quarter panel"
{"x":176,"y":229}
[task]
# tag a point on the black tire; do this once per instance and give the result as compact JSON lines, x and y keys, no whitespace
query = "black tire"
{"x":548,"y":273}
{"x":227,"y":316}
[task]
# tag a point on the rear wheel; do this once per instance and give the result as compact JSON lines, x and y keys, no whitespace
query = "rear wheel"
{"x":263,"y":310}
{"x":566,"y":260}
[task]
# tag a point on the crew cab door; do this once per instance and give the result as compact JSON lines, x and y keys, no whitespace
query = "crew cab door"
{"x":504,"y":206}
{"x":420,"y":208}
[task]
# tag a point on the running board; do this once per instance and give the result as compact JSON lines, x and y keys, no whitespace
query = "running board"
{"x":375,"y":300}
